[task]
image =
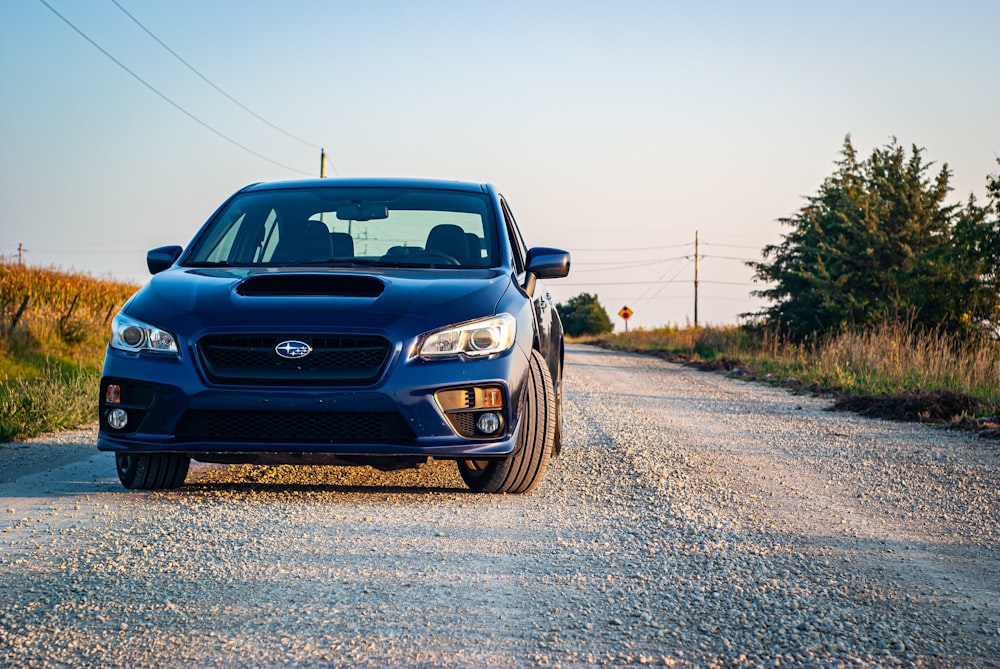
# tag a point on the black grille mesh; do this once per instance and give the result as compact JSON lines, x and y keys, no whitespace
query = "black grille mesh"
{"x":464,"y":423}
{"x":335,"y":360}
{"x":294,"y":426}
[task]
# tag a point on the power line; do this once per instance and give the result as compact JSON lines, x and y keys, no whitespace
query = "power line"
{"x":645,"y":296}
{"x":620,"y":283}
{"x":731,"y":246}
{"x":166,"y":99}
{"x":210,"y":82}
{"x":678,"y":296}
{"x":616,"y":266}
{"x":646,"y":283}
{"x":644,"y":248}
{"x":730,"y":258}
{"x":92,"y":252}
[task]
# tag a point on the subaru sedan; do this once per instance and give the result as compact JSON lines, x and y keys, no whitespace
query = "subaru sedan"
{"x":368,"y":322}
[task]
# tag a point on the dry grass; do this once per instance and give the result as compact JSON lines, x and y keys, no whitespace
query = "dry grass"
{"x":66,"y":317}
{"x":893,"y":358}
{"x":51,"y":357}
{"x":682,"y":342}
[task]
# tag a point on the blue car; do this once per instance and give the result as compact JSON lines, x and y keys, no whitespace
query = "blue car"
{"x":342,"y":321}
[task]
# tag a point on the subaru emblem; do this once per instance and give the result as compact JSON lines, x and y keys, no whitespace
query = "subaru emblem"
{"x":293,"y":349}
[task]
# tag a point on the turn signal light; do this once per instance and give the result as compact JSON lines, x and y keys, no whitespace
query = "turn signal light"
{"x":492,"y":397}
{"x":113,"y":394}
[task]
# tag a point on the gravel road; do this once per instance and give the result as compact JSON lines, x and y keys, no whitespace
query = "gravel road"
{"x":692,"y":520}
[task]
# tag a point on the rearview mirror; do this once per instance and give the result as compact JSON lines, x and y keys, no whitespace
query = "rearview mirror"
{"x":362,"y":211}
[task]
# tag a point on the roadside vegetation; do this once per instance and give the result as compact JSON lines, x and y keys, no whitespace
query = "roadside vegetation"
{"x":881,"y":292}
{"x":892,"y":369}
{"x":584,"y":314}
{"x":53,"y":330}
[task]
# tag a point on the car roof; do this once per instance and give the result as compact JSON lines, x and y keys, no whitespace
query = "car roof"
{"x":371,"y":182}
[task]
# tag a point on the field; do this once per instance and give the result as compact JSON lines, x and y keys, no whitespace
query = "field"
{"x":53,"y":329}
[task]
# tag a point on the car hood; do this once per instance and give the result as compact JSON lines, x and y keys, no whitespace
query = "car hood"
{"x":405,"y":301}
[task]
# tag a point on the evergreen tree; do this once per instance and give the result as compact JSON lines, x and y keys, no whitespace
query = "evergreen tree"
{"x":973,"y":283}
{"x":583,"y":315}
{"x":878,"y":241}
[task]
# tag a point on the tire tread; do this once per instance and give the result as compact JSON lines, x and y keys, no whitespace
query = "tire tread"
{"x":153,"y":471}
{"x":522,"y":471}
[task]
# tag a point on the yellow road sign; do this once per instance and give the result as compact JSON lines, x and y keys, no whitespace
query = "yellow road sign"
{"x":625,"y":313}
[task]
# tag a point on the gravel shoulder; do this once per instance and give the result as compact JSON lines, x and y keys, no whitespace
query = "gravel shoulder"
{"x":692,"y":520}
{"x":22,"y":458}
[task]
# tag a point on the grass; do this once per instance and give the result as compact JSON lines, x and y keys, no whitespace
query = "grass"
{"x":51,"y":357}
{"x":64,"y":396}
{"x":892,"y":359}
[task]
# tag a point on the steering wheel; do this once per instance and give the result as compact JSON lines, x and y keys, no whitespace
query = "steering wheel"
{"x":429,"y":256}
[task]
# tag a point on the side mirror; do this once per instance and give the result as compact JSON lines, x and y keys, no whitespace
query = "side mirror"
{"x":162,"y":258}
{"x":546,"y":263}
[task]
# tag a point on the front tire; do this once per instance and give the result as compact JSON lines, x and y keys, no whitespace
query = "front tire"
{"x":523,"y":470}
{"x":154,"y":471}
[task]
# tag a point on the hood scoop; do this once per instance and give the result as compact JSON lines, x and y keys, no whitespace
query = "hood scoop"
{"x":312,"y":285}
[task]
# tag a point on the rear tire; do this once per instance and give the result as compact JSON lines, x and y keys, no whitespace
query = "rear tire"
{"x":154,"y":471}
{"x":524,"y":469}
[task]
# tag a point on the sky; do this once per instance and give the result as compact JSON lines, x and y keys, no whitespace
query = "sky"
{"x":616,"y":130}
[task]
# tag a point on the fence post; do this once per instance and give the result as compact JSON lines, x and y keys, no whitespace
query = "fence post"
{"x":17,"y":316}
{"x":72,"y":308}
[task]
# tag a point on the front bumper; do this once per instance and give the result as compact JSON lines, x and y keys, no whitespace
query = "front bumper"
{"x":171,"y":407}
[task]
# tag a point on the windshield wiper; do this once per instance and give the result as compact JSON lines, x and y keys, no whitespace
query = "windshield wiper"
{"x":340,"y":262}
{"x":208,"y":263}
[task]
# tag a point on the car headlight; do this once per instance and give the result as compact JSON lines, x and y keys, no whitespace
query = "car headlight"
{"x":130,"y":334}
{"x":475,"y":338}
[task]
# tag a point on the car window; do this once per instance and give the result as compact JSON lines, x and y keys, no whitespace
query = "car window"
{"x":419,"y":227}
{"x":224,"y":246}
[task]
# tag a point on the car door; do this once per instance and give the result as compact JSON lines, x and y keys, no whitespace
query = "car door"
{"x":547,"y":324}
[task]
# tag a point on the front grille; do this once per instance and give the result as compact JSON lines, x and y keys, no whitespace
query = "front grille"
{"x":295,"y":426}
{"x":335,"y":360}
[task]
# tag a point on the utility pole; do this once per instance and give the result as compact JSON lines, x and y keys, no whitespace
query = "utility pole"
{"x":322,"y":163}
{"x":20,"y":254}
{"x":696,"y":256}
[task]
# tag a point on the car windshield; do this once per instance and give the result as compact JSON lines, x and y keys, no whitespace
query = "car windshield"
{"x":333,"y":226}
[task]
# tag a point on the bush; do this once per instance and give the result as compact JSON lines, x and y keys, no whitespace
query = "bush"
{"x":584,"y":315}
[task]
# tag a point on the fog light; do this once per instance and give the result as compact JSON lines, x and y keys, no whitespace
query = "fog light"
{"x":113,"y":394}
{"x":117,"y":418}
{"x":488,"y":422}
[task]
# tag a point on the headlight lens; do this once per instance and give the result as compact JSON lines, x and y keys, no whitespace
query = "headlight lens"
{"x":130,"y":334}
{"x":475,"y":338}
